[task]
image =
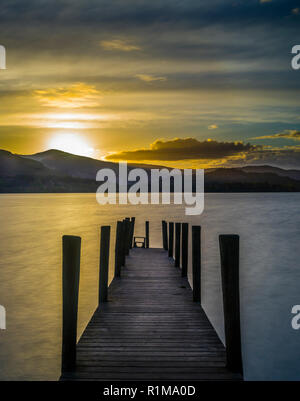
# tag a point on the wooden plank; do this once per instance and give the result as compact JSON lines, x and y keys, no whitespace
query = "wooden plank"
{"x":150,"y":329}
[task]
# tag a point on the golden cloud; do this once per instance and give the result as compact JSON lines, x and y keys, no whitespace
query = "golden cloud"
{"x":287,"y":134}
{"x":74,"y":96}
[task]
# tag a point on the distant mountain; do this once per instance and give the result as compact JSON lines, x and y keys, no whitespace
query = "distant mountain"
{"x":77,"y":166}
{"x":71,"y":165}
{"x":57,"y":171}
{"x":294,"y":174}
{"x":12,"y":165}
{"x":245,"y":179}
{"x":20,"y":174}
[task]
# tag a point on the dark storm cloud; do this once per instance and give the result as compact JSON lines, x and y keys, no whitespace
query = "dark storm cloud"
{"x":185,"y":149}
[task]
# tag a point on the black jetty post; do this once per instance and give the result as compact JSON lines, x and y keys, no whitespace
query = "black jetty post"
{"x":177,"y":244}
{"x":123,"y":244}
{"x":147,"y":234}
{"x":184,"y":249}
{"x":104,"y":263}
{"x":132,"y":223}
{"x":164,"y":235}
{"x":229,"y":252}
{"x":196,"y":263}
{"x":127,"y":235}
{"x":118,"y":249}
{"x":71,"y":271}
{"x":171,"y":239}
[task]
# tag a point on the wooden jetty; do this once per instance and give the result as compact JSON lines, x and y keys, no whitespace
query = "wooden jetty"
{"x":150,"y":324}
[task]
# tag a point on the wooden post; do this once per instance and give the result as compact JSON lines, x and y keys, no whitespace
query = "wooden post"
{"x":196,"y":263}
{"x":123,"y":243}
{"x":229,"y":251}
{"x":71,"y":271}
{"x":177,"y":244}
{"x":165,"y":235}
{"x":132,"y":230}
{"x":118,"y":249}
{"x":104,"y":263}
{"x":127,"y":235}
{"x":171,"y":239}
{"x":147,"y":234}
{"x":184,"y":248}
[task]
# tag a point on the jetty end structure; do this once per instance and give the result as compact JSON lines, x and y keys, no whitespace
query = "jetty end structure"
{"x":149,"y":324}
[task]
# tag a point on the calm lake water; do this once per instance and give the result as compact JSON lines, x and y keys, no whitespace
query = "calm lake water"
{"x":30,"y":274}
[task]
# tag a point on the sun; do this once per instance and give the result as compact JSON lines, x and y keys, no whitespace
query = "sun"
{"x":71,"y":143}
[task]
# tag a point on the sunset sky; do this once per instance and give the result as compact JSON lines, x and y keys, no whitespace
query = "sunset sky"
{"x":182,"y":83}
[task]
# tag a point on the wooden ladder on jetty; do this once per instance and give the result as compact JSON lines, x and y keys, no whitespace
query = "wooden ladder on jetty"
{"x":150,"y":324}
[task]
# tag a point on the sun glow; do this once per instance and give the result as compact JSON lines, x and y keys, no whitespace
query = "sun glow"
{"x":71,"y":143}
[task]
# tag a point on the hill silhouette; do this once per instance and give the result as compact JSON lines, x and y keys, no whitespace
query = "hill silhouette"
{"x":56,"y":171}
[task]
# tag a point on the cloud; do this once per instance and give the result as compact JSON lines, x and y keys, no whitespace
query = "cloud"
{"x":288,"y":134}
{"x":287,"y":157}
{"x":73,"y":96}
{"x":150,"y":78}
{"x":296,"y":11}
{"x":265,"y":1}
{"x":185,"y":149}
{"x":119,"y":44}
{"x":213,"y":126}
{"x":192,"y":153}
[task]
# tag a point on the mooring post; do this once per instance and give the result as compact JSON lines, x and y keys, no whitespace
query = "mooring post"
{"x":177,"y":244}
{"x":104,"y":263}
{"x":184,"y":249}
{"x":229,"y":252}
{"x":171,"y":239}
{"x":127,"y":235}
{"x":71,"y":271}
{"x":123,"y":244}
{"x":164,"y":235}
{"x":147,"y":234}
{"x":196,"y":263}
{"x":132,"y":223}
{"x":118,"y":249}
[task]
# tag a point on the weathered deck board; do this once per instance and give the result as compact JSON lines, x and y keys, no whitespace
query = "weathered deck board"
{"x":150,"y":329}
